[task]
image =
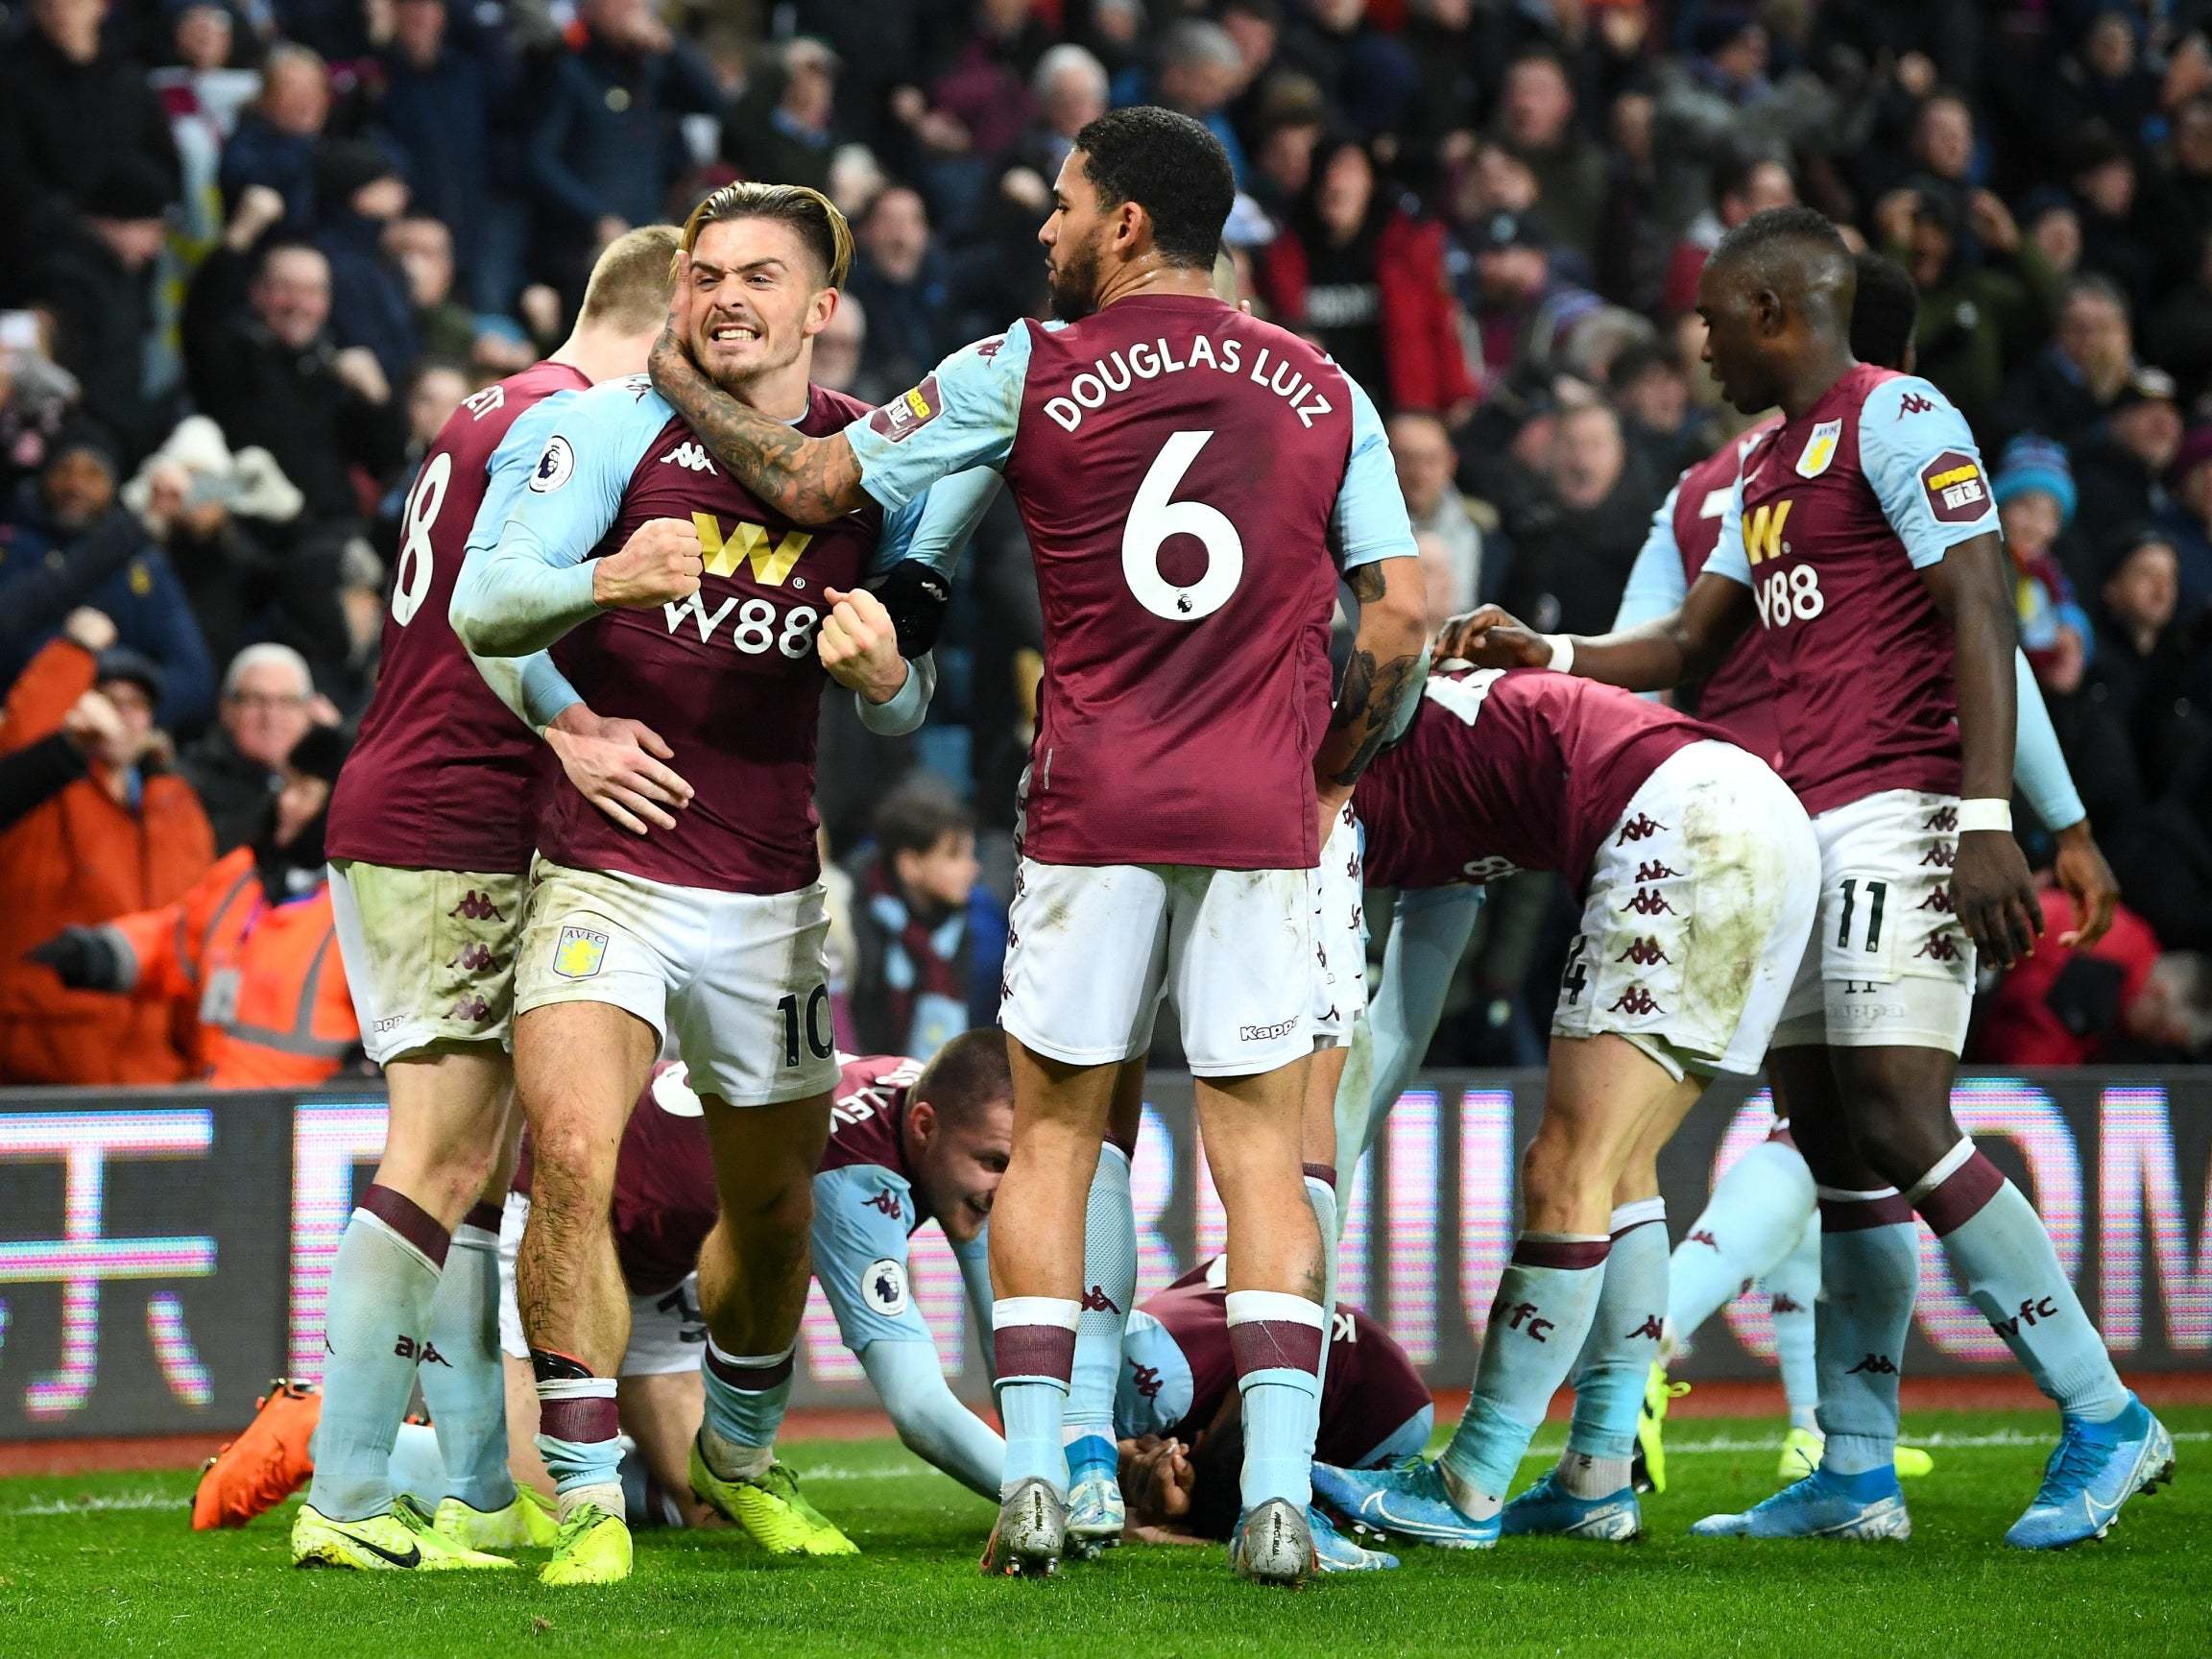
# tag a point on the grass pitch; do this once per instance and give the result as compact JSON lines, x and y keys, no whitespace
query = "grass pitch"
{"x":105,"y":1564}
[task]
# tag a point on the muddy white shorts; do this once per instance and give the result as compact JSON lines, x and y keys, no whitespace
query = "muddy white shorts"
{"x":1091,"y":948}
{"x":429,"y":953}
{"x":738,"y":979}
{"x":667,"y":1332}
{"x":1888,"y":965}
{"x":1699,"y":909}
{"x":1340,"y":935}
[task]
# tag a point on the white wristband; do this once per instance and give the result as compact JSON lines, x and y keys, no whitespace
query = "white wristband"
{"x":1562,"y":653}
{"x":1985,"y":814}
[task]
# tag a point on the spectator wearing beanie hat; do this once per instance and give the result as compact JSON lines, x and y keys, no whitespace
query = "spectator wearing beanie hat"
{"x":359,"y":191}
{"x":2035,"y":501}
{"x":2122,"y":467}
{"x":2188,"y":520}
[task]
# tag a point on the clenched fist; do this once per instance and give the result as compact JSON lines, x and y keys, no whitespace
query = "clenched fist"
{"x":859,"y":645}
{"x":659,"y":563}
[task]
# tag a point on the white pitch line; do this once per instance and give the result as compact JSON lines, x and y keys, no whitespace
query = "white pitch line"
{"x":1938,"y":1440}
{"x":96,"y":1504}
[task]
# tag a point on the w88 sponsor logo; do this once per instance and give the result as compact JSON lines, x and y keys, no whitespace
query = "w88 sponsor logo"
{"x":757,"y":627}
{"x":1787,"y":596}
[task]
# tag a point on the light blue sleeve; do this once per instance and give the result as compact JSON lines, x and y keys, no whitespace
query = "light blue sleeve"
{"x":932,"y":1422}
{"x":937,"y":525}
{"x":1919,"y":456}
{"x":527,"y":579}
{"x":1729,"y":558}
{"x":975,"y":1259}
{"x":532,"y":686}
{"x":1369,"y":520}
{"x":2038,"y":768}
{"x":859,"y":1238}
{"x":1656,"y":585}
{"x":1428,"y":934}
{"x":963,"y":415}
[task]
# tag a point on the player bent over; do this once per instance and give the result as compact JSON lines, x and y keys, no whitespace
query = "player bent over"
{"x":1696,"y":870}
{"x":428,"y":842}
{"x":677,"y":596}
{"x":1863,"y":537}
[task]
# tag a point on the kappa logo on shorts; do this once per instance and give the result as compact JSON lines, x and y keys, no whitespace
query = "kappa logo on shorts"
{"x":1639,"y":828}
{"x":579,"y":953}
{"x":1939,"y":947}
{"x":1937,"y":900}
{"x":1944,"y":819}
{"x":1942,"y":855}
{"x":471,"y":1008}
{"x":1643,"y":952}
{"x":1636,"y":1001}
{"x":885,"y":1286}
{"x":475,"y":907}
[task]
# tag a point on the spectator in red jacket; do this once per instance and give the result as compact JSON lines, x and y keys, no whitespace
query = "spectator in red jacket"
{"x":2063,"y":1006}
{"x":1358,"y":273}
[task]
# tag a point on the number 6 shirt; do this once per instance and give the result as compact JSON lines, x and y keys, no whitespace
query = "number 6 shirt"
{"x":1184,"y":472}
{"x":1833,"y":517}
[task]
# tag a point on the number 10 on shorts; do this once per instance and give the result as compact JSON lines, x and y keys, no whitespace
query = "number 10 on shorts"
{"x":820,"y":1034}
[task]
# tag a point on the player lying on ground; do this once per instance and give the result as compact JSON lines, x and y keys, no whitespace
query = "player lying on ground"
{"x":668,"y":593}
{"x":1695,"y":869}
{"x":1177,"y":805}
{"x":430,"y":835}
{"x":1180,"y":1423}
{"x":1862,"y":538}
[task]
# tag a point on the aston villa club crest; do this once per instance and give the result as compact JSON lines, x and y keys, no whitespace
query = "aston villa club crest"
{"x":579,"y":952}
{"x":1819,"y":449}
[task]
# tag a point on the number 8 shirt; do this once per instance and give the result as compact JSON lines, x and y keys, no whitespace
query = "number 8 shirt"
{"x":1833,"y":517}
{"x":1184,"y":472}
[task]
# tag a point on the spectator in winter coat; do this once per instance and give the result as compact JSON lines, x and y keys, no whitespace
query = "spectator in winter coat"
{"x":2122,"y":469}
{"x":2035,"y":495}
{"x":1536,"y":122}
{"x":359,"y":192}
{"x":2069,"y":386}
{"x":70,"y":116}
{"x":276,"y":141}
{"x":2188,"y":522}
{"x":1358,"y":271}
{"x":124,"y":836}
{"x":69,"y":544}
{"x":268,"y":705}
{"x":441,"y":86}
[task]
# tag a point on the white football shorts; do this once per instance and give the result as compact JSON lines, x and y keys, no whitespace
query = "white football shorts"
{"x":1887,"y":966}
{"x":1340,"y":935}
{"x":667,"y":1332}
{"x":429,"y":954}
{"x":1699,"y":909}
{"x":740,"y":980}
{"x":1091,"y":951}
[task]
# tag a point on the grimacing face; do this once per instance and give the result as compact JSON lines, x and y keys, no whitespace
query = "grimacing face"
{"x":757,"y":295}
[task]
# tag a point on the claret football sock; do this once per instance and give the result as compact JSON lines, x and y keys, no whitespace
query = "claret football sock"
{"x":463,"y":1383}
{"x":746,"y":1394}
{"x":2003,"y":1257}
{"x":1109,"y":1287}
{"x":1792,"y":1287}
{"x":1869,"y":1276}
{"x":1757,"y":1212}
{"x":1275,"y":1340}
{"x":375,"y":1328}
{"x":1546,"y":1302}
{"x":1033,"y":1352}
{"x":1616,"y":1358}
{"x":579,"y":1433}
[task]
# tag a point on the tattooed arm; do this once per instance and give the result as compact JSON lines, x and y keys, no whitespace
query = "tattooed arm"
{"x":1384,"y":670}
{"x":808,"y":480}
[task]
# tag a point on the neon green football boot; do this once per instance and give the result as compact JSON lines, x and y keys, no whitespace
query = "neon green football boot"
{"x":769,"y":1510}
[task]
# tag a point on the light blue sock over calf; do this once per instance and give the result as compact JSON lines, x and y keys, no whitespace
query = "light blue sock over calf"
{"x":1275,"y":1340}
{"x":1542,"y":1316}
{"x":1869,"y":1277}
{"x":466,"y":1392}
{"x":1616,"y":1358}
{"x":1757,"y":1212}
{"x":1792,"y":1287}
{"x":1109,"y":1288}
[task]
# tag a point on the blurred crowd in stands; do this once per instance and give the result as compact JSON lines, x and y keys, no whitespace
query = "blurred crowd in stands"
{"x":254,"y":253}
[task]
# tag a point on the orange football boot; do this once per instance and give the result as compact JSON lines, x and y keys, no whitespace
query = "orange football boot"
{"x":266,"y":1464}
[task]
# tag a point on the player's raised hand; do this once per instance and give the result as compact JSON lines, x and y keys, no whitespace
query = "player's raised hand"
{"x":618,"y":766}
{"x":1489,"y":637}
{"x":1994,"y":895}
{"x":661,"y":563}
{"x":2089,"y":882}
{"x":858,"y":645}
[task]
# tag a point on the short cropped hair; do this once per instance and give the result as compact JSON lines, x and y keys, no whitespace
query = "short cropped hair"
{"x":1171,"y":167}
{"x":966,"y":1074}
{"x":819,"y":225}
{"x":631,"y":280}
{"x":1884,"y":311}
{"x":1778,"y":226}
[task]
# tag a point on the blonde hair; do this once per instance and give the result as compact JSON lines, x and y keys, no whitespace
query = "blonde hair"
{"x":632,"y":280}
{"x":807,"y":211}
